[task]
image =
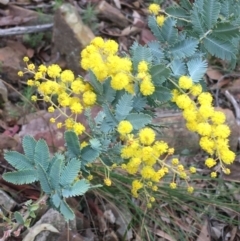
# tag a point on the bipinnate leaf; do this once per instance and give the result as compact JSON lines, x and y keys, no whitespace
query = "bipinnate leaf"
{"x":41,"y":155}
{"x":156,"y":51}
{"x":44,"y":179}
{"x":21,"y":177}
{"x":70,"y":172}
{"x":78,"y":188}
{"x":211,"y":10}
{"x":152,"y":23}
{"x":18,"y":160}
{"x":66,"y":211}
{"x":186,"y":4}
{"x":108,"y":92}
{"x":169,"y":31}
{"x":141,"y":53}
{"x":159,"y":74}
{"x":89,"y":154}
{"x":139,"y":103}
{"x":124,"y":106}
{"x":177,"y":12}
{"x":95,"y":83}
{"x":95,"y":144}
{"x":219,"y":48}
{"x":226,"y":31}
{"x":55,"y":171}
{"x":109,"y":122}
{"x":161,"y":94}
{"x":197,"y":68}
{"x":29,"y":144}
{"x":73,"y":144}
{"x":178,"y":67}
{"x":56,"y":200}
{"x":139,"y":120}
{"x":184,"y":48}
{"x":197,"y":22}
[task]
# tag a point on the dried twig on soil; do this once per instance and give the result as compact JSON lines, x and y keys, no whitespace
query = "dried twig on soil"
{"x":235,"y":105}
{"x":24,"y":30}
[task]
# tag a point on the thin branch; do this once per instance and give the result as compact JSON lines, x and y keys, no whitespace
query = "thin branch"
{"x":235,"y":105}
{"x":26,"y":29}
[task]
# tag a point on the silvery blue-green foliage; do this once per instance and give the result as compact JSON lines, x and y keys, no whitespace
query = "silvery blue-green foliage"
{"x":190,"y":33}
{"x":58,"y":175}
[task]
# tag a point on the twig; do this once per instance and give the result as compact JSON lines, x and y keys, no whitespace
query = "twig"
{"x":220,"y":80}
{"x":235,"y":105}
{"x":24,"y":30}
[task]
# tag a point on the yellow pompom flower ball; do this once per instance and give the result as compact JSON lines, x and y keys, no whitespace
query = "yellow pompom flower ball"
{"x":146,"y":136}
{"x":154,"y":8}
{"x":67,"y":76}
{"x":210,"y":162}
{"x":89,"y":98}
{"x":142,"y":66}
{"x":185,"y":82}
{"x":107,"y":181}
{"x":124,"y":127}
{"x":160,"y":20}
{"x":54,"y":71}
{"x":147,"y":87}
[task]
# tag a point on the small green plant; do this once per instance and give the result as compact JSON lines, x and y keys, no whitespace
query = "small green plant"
{"x":58,"y":175}
{"x":122,"y":137}
{"x":89,"y":17}
{"x":33,"y":39}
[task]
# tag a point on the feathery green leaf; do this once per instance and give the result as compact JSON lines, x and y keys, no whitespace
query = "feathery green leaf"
{"x":161,"y":94}
{"x":226,"y":31}
{"x":159,"y":74}
{"x":29,"y":144}
{"x":21,"y":177}
{"x":184,"y":48}
{"x":139,"y":103}
{"x":141,"y":53}
{"x":55,"y":171}
{"x":95,"y":83}
{"x":89,"y":154}
{"x":124,"y":106}
{"x":18,"y":160}
{"x":211,"y":10}
{"x":197,"y":22}
{"x":41,"y":155}
{"x":70,"y":172}
{"x":169,"y":31}
{"x":66,"y":211}
{"x":178,"y":67}
{"x":197,"y":68}
{"x":219,"y":48}
{"x":177,"y":11}
{"x":78,"y":188}
{"x":44,"y":179}
{"x":73,"y":145}
{"x":56,"y":200}
{"x":139,"y":120}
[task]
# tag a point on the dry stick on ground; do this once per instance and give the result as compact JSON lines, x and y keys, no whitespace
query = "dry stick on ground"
{"x":220,"y":80}
{"x":24,"y":30}
{"x":235,"y":105}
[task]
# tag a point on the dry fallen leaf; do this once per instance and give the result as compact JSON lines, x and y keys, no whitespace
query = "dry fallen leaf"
{"x":33,"y":232}
{"x":204,"y":234}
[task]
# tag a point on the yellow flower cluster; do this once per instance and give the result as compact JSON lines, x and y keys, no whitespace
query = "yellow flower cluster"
{"x":154,"y":9}
{"x":144,"y":156}
{"x":146,"y":85}
{"x":207,"y":122}
{"x":72,"y":93}
{"x":101,"y":57}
